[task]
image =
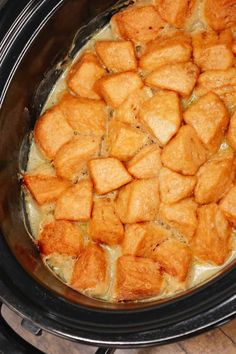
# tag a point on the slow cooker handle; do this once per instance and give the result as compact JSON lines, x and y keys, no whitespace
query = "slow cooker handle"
{"x":12,"y":343}
{"x":105,"y":351}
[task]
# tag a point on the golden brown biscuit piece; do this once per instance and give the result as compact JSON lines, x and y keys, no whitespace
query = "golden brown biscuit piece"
{"x":83,"y":75}
{"x":138,"y":201}
{"x":228,"y":205}
{"x":75,"y":203}
{"x":161,"y":115}
{"x":185,"y":153}
{"x":174,"y":257}
{"x":213,"y":80}
{"x":174,"y":186}
{"x":115,"y":88}
{"x":220,"y":14}
{"x":105,"y":226}
{"x":147,"y":162}
{"x":85,"y":116}
{"x":117,"y":56}
{"x":221,"y":82}
{"x":108,"y":174}
{"x":125,"y":141}
{"x":231,"y":134}
{"x":52,"y":131}
{"x":213,"y":51}
{"x":174,"y":12}
{"x":137,"y":278}
{"x":138,"y":23}
{"x":154,"y":235}
{"x":215,"y":177}
{"x":211,"y":242}
{"x":61,"y":237}
{"x":181,"y":215}
{"x":128,"y":111}
{"x":45,"y":189}
{"x":166,"y":50}
{"x":142,"y":239}
{"x":180,"y":77}
{"x":209,"y":117}
{"x":71,"y":160}
{"x":90,"y":273}
{"x":134,"y":234}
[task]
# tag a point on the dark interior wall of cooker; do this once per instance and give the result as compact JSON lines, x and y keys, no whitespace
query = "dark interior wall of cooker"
{"x":26,"y":94}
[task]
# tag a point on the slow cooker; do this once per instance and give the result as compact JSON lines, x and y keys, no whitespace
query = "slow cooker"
{"x":38,"y":37}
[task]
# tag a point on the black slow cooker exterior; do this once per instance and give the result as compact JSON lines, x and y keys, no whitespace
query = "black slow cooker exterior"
{"x":36,"y":37}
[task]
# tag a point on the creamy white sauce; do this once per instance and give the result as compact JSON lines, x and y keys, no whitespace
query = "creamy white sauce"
{"x":62,"y":266}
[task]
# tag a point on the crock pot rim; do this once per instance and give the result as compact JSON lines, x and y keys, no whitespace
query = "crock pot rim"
{"x":6,"y":293}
